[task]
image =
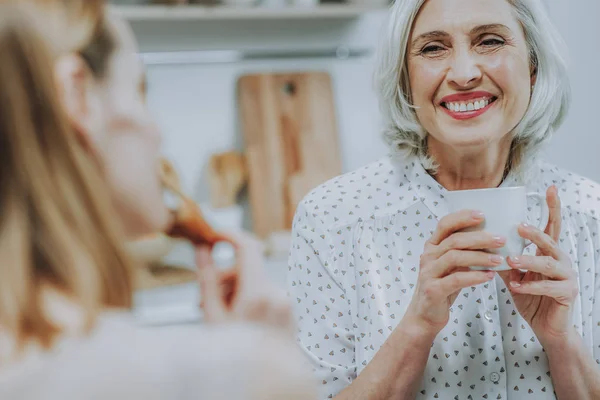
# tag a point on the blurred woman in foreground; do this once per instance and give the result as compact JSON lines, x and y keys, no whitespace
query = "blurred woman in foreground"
{"x":76,"y":181}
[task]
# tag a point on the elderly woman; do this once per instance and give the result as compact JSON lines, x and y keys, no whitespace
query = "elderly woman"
{"x":386,"y":306}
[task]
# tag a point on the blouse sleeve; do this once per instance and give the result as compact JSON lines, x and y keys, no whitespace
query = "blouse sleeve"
{"x":322,"y":311}
{"x":595,"y":296}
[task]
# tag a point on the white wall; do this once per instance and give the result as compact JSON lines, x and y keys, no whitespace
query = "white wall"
{"x":196,"y":105}
{"x":577,"y":144}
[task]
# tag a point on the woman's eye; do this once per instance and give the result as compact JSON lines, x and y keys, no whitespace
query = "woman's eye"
{"x":432,"y":49}
{"x":492,"y":42}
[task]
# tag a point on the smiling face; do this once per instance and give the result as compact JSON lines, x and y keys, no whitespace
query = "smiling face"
{"x":469,"y":72}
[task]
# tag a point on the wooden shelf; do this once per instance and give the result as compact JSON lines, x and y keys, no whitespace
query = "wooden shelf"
{"x":191,"y":12}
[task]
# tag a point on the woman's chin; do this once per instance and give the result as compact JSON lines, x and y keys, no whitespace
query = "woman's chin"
{"x":147,"y":221}
{"x":469,"y":138}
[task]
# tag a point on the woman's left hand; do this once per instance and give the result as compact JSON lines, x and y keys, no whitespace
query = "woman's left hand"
{"x":244,"y":293}
{"x":545,"y":294}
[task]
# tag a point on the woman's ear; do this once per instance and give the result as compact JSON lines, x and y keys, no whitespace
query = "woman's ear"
{"x":75,"y":87}
{"x":534,"y":72}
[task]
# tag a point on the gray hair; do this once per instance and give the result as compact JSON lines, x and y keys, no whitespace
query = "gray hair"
{"x":547,"y":109}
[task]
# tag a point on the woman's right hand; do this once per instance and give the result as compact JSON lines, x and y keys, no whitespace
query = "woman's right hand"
{"x":444,"y":268}
{"x":244,"y":293}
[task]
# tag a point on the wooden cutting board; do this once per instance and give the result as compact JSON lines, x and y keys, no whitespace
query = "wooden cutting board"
{"x":291,"y":137}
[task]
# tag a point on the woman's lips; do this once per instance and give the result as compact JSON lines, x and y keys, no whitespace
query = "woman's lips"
{"x":468,"y":109}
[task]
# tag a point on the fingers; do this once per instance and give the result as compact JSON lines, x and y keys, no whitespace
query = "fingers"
{"x":250,"y":261}
{"x":210,"y":287}
{"x":564,"y":292}
{"x":547,"y":266}
{"x":245,"y":293}
{"x":229,"y":282}
{"x":459,"y":250}
{"x":455,"y":222}
{"x":555,"y":218}
{"x":469,"y":241}
{"x":546,"y":244}
{"x":460,"y":280}
{"x":461,"y":258}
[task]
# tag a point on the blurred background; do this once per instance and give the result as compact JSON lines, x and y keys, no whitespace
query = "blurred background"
{"x":283,"y":90}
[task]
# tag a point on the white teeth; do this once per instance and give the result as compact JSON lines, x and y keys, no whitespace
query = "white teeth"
{"x":463,"y":107}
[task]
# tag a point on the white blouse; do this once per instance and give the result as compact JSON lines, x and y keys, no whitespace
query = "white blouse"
{"x":354,"y":264}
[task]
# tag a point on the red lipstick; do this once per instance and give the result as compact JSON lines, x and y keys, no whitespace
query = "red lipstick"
{"x":462,"y":106}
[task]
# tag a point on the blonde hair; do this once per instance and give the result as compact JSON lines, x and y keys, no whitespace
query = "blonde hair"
{"x":57,"y":226}
{"x":67,"y":25}
{"x":549,"y":102}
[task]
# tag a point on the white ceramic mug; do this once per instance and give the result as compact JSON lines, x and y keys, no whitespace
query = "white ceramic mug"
{"x":504,"y":209}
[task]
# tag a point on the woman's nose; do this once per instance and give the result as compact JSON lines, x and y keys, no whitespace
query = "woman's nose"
{"x":464,"y":70}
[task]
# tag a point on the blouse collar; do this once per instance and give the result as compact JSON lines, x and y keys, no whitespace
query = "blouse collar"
{"x":432,"y":194}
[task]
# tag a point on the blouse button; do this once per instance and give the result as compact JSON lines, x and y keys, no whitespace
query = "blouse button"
{"x":488,"y":315}
{"x":495,"y":377}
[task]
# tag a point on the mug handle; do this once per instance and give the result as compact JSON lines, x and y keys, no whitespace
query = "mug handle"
{"x":545,"y":213}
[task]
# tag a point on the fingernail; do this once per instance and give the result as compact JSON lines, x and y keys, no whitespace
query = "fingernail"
{"x":516,"y":261}
{"x":499,"y":240}
{"x":525,"y":225}
{"x":477,"y":215}
{"x":496,"y":259}
{"x":491,"y":274}
{"x":515,"y":284}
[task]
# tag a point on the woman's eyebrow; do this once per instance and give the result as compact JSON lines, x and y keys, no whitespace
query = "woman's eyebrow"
{"x":489,"y":28}
{"x":500,"y":28}
{"x":433,"y":35}
{"x":438,"y":34}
